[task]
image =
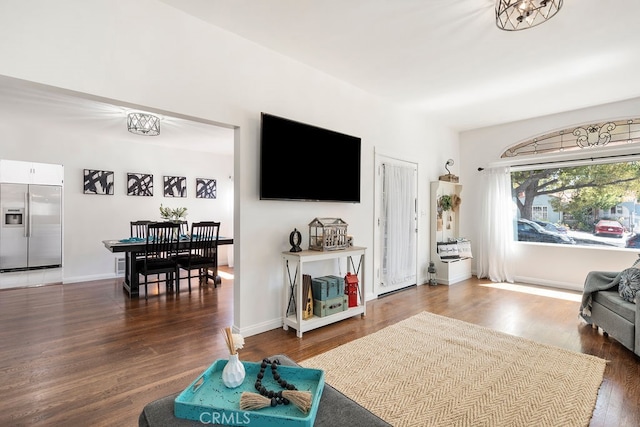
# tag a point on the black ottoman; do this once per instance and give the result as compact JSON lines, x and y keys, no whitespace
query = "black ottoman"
{"x":335,"y":410}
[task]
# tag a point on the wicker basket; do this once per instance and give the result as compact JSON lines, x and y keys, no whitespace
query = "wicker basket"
{"x":328,"y":234}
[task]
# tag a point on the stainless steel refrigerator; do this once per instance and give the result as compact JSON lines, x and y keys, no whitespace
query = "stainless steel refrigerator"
{"x":31,"y":229}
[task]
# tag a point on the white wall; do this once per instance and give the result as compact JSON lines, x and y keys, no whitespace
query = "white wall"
{"x":88,"y":218}
{"x":551,"y":265}
{"x":146,"y":53}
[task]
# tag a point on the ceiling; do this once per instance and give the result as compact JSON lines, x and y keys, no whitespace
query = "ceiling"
{"x":444,"y":57}
{"x":447,"y":57}
{"x":60,"y":108}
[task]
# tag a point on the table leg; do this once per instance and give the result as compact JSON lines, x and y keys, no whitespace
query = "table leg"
{"x":131,"y":283}
{"x":209,"y":274}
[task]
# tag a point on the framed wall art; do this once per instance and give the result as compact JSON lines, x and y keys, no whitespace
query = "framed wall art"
{"x":139,"y":184}
{"x":206,"y":188}
{"x":98,"y":182}
{"x":175,"y":186}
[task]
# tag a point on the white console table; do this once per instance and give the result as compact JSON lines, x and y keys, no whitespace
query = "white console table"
{"x":293,"y":264}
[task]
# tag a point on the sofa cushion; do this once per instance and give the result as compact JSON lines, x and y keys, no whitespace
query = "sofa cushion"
{"x":612,"y":300}
{"x":629,"y":284}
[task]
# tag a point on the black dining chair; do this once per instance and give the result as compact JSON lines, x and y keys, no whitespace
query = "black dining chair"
{"x":161,"y":249}
{"x":184,"y":231}
{"x":139,"y":231}
{"x":139,"y":228}
{"x":184,"y":227}
{"x":203,"y":252}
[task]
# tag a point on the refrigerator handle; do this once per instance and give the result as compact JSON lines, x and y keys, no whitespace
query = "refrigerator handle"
{"x":27,"y":204}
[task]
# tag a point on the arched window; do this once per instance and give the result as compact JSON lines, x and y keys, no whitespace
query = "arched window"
{"x":579,"y":200}
{"x":610,"y":133}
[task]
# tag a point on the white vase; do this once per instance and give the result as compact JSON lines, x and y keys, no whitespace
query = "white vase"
{"x":233,"y":372}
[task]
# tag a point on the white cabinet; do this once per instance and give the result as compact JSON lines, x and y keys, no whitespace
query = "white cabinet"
{"x":47,"y":174}
{"x":15,"y":172}
{"x":445,"y":226}
{"x":18,"y":172}
{"x":294,"y":264}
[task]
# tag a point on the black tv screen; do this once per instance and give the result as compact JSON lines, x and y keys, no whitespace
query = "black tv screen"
{"x":303,"y":162}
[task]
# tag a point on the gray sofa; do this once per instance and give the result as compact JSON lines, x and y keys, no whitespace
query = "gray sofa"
{"x":602,"y":306}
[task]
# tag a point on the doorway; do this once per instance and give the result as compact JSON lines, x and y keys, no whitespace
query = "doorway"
{"x":396,"y":223}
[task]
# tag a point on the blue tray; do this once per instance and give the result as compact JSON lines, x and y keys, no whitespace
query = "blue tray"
{"x":209,"y":401}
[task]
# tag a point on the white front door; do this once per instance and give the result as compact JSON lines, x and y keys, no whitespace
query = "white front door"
{"x":396,"y":225}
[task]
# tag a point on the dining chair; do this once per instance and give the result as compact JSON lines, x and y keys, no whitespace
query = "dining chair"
{"x":139,"y":228}
{"x":139,"y":231}
{"x":184,"y":227}
{"x":160,"y":253}
{"x":184,"y":231}
{"x":203,"y":252}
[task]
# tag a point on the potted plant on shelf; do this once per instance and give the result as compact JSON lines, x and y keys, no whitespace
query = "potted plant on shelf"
{"x":445,"y":203}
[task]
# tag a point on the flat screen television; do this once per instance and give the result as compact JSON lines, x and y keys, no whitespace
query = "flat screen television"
{"x":307,"y":163}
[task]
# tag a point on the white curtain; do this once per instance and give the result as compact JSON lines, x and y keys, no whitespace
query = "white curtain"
{"x":399,"y":223}
{"x":496,"y":226}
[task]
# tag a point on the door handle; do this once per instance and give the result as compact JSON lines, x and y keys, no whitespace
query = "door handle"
{"x":27,"y":204}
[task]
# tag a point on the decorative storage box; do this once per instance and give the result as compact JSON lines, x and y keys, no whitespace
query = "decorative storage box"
{"x":328,"y":234}
{"x":455,"y":249}
{"x":340,"y":281}
{"x":327,"y":287}
{"x":330,"y":306}
{"x":448,"y":250}
{"x":209,"y":401}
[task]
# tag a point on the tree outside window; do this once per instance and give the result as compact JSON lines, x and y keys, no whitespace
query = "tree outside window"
{"x":578,"y":196}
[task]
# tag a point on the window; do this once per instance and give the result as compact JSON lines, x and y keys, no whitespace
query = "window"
{"x":610,"y":133}
{"x":539,"y":213}
{"x":570,"y":197}
{"x":570,"y":200}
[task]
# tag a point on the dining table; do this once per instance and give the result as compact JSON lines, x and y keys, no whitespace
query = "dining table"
{"x":132,"y":247}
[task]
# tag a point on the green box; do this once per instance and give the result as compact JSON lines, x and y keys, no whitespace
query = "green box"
{"x":322,"y":308}
{"x":327,"y":287}
{"x":320,"y":289}
{"x":339,"y":282}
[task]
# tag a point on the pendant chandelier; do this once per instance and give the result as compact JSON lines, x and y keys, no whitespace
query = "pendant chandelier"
{"x":515,"y":15}
{"x":143,"y":124}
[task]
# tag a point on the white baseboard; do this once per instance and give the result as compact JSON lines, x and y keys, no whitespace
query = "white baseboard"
{"x":90,"y":278}
{"x":259,"y":327}
{"x":549,"y":283}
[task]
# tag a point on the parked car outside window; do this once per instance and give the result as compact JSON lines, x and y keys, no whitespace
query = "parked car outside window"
{"x":549,"y":226}
{"x":633,"y":242}
{"x":529,"y":231}
{"x":608,"y":228}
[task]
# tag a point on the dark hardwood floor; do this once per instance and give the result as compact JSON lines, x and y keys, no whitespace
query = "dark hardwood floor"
{"x":84,"y":354}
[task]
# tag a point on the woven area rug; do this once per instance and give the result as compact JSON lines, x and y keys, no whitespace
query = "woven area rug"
{"x":431,"y":370}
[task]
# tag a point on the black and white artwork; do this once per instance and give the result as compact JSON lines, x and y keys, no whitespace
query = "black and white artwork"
{"x":206,"y":188}
{"x":98,"y":182}
{"x":175,"y":186}
{"x":139,"y":184}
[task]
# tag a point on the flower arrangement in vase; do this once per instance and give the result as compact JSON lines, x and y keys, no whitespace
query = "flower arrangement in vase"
{"x":169,"y":214}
